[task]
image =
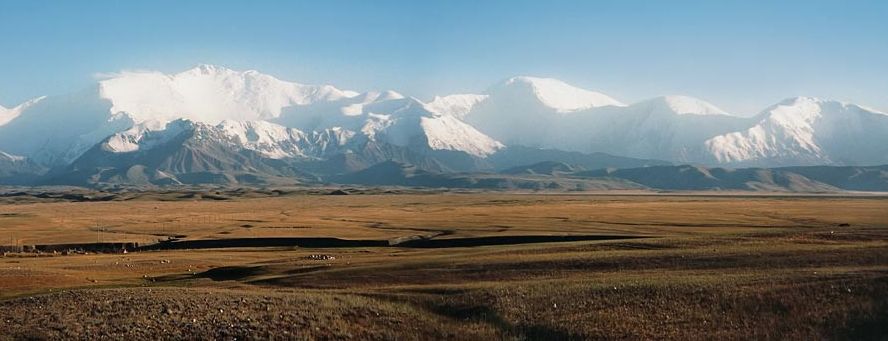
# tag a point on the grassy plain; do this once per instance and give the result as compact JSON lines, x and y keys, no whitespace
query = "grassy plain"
{"x":691,"y":267}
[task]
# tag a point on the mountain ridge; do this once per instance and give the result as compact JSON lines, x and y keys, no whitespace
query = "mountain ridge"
{"x":251,"y":122}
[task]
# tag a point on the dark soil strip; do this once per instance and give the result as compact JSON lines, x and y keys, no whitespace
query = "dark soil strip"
{"x":502,"y":240}
{"x":347,"y":243}
{"x":313,"y":242}
{"x":87,"y":247}
{"x":309,"y":242}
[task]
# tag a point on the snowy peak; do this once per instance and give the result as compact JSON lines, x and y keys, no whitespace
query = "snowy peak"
{"x":256,"y":131}
{"x":801,"y":113}
{"x":795,"y":112}
{"x":242,"y":112}
{"x":7,"y":115}
{"x":387,"y":95}
{"x":807,"y":107}
{"x":392,"y":118}
{"x":145,"y":135}
{"x":458,"y":105}
{"x":209,"y":94}
{"x":682,"y":105}
{"x":407,"y":119}
{"x":447,"y":132}
{"x":530,"y":111}
{"x":271,"y":140}
{"x":554,"y":93}
{"x":785,"y":130}
{"x":807,"y":130}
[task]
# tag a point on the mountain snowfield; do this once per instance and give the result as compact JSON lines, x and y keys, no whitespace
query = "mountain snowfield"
{"x":10,"y":114}
{"x":270,"y":140}
{"x":556,"y":94}
{"x":144,"y":112}
{"x":208,"y":94}
{"x":684,"y":105}
{"x":682,"y":129}
{"x":455,"y":105}
{"x":807,"y":131}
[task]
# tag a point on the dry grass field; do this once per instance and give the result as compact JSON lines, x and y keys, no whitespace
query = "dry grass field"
{"x":677,"y":267}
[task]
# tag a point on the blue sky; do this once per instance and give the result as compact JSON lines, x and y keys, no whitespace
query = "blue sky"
{"x":740,"y":55}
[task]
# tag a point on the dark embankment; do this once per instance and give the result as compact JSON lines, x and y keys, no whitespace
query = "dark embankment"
{"x":308,"y":242}
{"x":106,"y":247}
{"x":503,"y":240}
{"x":322,"y":242}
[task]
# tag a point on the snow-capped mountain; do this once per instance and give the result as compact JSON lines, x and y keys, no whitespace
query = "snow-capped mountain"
{"x":180,"y":151}
{"x":553,"y":93}
{"x":56,"y":130}
{"x":7,"y":115}
{"x":267,"y":139}
{"x":684,"y":105}
{"x":184,"y":151}
{"x":455,"y":105}
{"x":669,"y":128}
{"x":807,"y":131}
{"x":209,"y":94}
{"x":214,"y":119}
{"x":799,"y":131}
{"x":392,"y":118}
{"x":523,"y":111}
{"x":527,"y":110}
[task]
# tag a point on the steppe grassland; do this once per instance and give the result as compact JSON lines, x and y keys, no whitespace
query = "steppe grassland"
{"x":708,"y":267}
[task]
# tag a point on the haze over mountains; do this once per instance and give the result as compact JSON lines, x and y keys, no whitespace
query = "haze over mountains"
{"x":215,"y":125}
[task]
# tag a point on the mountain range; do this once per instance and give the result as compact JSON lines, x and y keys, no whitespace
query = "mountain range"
{"x":211,"y":124}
